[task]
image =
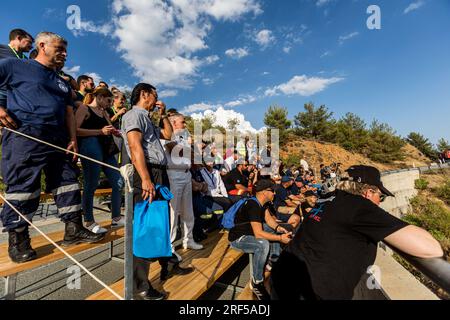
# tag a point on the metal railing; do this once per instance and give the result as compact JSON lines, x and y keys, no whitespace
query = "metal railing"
{"x":436,"y":270}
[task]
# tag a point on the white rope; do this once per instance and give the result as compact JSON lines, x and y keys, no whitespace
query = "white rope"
{"x":126,"y":171}
{"x":62,"y":250}
{"x":62,"y":149}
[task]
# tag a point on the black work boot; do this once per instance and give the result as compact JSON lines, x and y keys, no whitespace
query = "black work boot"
{"x":76,"y":233}
{"x":20,"y":249}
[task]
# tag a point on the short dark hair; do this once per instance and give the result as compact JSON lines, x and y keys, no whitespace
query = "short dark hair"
{"x":33,"y":54}
{"x":19,"y":33}
{"x":136,"y":94}
{"x":82,"y":78}
{"x":104,"y":83}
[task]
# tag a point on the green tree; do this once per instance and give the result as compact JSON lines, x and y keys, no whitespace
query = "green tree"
{"x":384,"y":145}
{"x":277,"y":118}
{"x":351,"y":133}
{"x":422,"y":144}
{"x":232,"y":124}
{"x":315,"y":123}
{"x":442,"y":145}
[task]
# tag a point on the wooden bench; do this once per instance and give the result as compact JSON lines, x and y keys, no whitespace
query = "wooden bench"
{"x":246,"y":294}
{"x":209,"y":264}
{"x":47,"y":253}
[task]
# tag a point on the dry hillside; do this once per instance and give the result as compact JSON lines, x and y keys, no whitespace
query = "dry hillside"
{"x":316,"y":153}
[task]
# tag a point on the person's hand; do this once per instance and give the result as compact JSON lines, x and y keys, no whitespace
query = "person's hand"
{"x":286,"y":237}
{"x":161,"y":107}
{"x":73,"y":146}
{"x":6,"y":120}
{"x":122,"y":111}
{"x":281,"y":229}
{"x":148,"y":190}
{"x":108,"y":130}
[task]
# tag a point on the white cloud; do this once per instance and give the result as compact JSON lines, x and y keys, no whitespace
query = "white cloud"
{"x":325,"y":54}
{"x":240,"y":101}
{"x":208,"y":81}
{"x":221,"y":117}
{"x":199,"y":107}
{"x":264,"y":38}
{"x":265,"y":73}
{"x":212,"y":59}
{"x":237,"y":54}
{"x":73,"y":71}
{"x":414,"y":6}
{"x":321,"y":3}
{"x":89,"y":26}
{"x":287,"y":49}
{"x":303,"y":86}
{"x":168,"y":93}
{"x":160,"y":39}
{"x":342,"y":39}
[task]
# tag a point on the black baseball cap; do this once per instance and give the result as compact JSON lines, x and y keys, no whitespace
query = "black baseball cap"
{"x":368,"y":175}
{"x":264,"y":184}
{"x":310,"y":193}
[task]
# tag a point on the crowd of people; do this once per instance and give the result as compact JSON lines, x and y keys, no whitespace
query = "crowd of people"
{"x":307,"y":240}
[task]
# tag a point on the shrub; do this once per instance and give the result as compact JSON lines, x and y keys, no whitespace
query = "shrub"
{"x":421,"y":184}
{"x":443,"y":192}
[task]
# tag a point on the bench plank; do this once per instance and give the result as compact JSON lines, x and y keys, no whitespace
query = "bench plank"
{"x":246,"y":294}
{"x":209,"y":264}
{"x":47,"y":253}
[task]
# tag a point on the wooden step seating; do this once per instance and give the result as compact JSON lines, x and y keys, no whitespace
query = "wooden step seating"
{"x":246,"y":294}
{"x":209,"y":264}
{"x":47,"y":253}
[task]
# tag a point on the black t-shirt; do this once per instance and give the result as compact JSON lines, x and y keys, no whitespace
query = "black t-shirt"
{"x":294,"y":190}
{"x":338,"y":242}
{"x":281,"y":195}
{"x":250,"y":211}
{"x":233,"y":178}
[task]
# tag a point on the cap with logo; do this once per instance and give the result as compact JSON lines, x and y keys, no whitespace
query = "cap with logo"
{"x":368,"y":175}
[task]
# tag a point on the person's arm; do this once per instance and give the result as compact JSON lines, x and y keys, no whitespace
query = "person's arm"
{"x":166,"y":130}
{"x":223,"y":190}
{"x":5,"y":77}
{"x":272,"y":222}
{"x":72,"y":131}
{"x":118,"y":114}
{"x":241,"y":187}
{"x":138,"y":159}
{"x":261,"y":234}
{"x":416,"y":242}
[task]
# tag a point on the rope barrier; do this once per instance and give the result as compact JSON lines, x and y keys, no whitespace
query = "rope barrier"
{"x":62,"y":250}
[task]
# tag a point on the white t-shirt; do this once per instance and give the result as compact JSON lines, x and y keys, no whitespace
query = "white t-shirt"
{"x":216,"y":187}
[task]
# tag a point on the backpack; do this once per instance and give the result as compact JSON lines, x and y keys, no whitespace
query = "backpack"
{"x":229,"y":216}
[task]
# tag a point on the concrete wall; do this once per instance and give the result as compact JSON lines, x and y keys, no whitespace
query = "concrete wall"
{"x":401,"y":184}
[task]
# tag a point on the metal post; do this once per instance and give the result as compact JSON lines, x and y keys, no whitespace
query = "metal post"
{"x":128,"y":254}
{"x":10,"y":287}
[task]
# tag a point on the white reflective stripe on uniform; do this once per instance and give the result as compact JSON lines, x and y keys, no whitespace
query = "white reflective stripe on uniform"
{"x":65,"y":189}
{"x":22,"y":196}
{"x":69,"y":209}
{"x":28,"y":216}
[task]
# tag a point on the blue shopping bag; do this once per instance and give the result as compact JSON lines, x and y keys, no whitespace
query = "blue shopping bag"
{"x":151,"y":227}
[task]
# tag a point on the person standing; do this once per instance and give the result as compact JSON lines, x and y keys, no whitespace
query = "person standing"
{"x":95,"y":135}
{"x":142,"y":141}
{"x":180,"y":177}
{"x":39,"y":105}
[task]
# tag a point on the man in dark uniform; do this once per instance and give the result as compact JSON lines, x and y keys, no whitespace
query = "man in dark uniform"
{"x":39,"y":105}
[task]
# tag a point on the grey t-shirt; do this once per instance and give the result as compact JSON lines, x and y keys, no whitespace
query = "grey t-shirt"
{"x":139,"y":119}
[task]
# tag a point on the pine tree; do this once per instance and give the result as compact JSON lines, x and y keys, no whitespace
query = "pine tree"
{"x":422,"y":144}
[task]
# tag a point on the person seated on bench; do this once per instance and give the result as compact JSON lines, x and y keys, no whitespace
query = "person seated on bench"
{"x":248,"y":234}
{"x":286,"y":210}
{"x":236,"y":182}
{"x":309,"y":202}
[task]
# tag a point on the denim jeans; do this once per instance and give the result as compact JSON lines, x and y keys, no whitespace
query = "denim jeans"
{"x":275,"y":247}
{"x":91,"y":173}
{"x":260,"y":249}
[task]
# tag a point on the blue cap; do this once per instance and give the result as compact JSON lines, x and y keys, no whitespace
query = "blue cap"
{"x":286,"y":179}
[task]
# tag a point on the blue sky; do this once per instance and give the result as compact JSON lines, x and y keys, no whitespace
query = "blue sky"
{"x":235,"y":58}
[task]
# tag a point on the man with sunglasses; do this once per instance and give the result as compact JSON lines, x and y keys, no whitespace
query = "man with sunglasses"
{"x":338,"y":240}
